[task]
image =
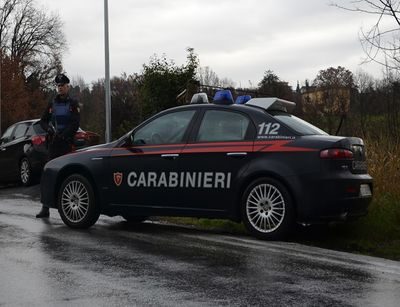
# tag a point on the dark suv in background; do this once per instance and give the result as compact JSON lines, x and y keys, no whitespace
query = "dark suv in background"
{"x":23,"y":150}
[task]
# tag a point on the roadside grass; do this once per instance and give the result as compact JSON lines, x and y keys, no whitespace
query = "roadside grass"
{"x":376,"y":234}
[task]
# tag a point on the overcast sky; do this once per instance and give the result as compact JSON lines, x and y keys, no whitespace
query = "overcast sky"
{"x":237,"y":39}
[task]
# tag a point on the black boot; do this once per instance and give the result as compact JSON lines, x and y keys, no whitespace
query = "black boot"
{"x":45,"y":212}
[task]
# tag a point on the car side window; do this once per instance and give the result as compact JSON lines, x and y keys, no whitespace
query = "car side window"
{"x":167,"y":129}
{"x":7,"y":135}
{"x":222,"y":126}
{"x":20,"y":131}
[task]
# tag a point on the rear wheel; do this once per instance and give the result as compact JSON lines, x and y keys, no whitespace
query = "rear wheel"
{"x":267,"y":209}
{"x":76,"y":202}
{"x":25,"y":172}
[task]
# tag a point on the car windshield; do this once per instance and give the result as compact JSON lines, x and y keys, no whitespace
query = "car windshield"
{"x":297,"y":124}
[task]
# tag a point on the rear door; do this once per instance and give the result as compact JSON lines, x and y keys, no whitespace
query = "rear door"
{"x":5,"y":140}
{"x":213,"y":160}
{"x":12,"y":150}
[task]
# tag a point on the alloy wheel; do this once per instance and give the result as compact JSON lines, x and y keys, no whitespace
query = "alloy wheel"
{"x":75,"y":201}
{"x":265,"y":208}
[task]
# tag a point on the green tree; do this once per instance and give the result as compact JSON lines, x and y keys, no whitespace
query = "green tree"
{"x":332,"y":93}
{"x":162,"y":81}
{"x":93,"y":108}
{"x":126,"y":108}
{"x":272,"y":86}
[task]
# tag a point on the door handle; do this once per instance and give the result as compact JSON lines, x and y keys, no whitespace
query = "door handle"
{"x":170,"y":156}
{"x":237,"y":154}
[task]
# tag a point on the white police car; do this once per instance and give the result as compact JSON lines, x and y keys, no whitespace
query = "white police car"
{"x":252,"y":162}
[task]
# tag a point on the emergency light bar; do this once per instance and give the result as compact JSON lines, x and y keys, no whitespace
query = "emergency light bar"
{"x":223,"y":97}
{"x":199,"y":98}
{"x":242,"y":99}
{"x":272,"y":104}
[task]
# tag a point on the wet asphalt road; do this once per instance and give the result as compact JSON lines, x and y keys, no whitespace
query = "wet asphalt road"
{"x":44,"y":263}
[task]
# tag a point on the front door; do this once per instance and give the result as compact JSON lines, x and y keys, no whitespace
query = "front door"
{"x":145,"y":174}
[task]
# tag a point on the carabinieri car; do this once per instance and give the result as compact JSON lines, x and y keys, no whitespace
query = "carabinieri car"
{"x":252,"y":162}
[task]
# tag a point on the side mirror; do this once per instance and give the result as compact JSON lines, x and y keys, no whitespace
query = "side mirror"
{"x":139,"y":142}
{"x":132,"y":141}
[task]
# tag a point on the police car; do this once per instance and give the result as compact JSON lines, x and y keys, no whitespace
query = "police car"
{"x":252,"y":162}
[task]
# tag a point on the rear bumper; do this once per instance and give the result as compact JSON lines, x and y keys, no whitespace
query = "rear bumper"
{"x":335,"y":197}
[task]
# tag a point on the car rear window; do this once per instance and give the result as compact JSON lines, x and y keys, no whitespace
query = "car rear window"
{"x":297,"y":124}
{"x":36,"y":129}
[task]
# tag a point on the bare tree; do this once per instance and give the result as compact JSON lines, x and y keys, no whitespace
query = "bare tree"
{"x":31,"y":43}
{"x":208,"y":77}
{"x":381,"y":42}
{"x":32,"y":38}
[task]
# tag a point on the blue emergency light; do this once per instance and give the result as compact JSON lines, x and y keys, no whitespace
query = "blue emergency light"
{"x":223,"y":97}
{"x":242,"y":99}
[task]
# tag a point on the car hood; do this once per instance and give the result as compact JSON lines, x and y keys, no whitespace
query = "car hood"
{"x":106,"y":145}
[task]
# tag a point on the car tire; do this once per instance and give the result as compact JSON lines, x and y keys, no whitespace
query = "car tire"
{"x":134,"y":219}
{"x":25,"y":172}
{"x":76,"y":202}
{"x":267,"y":209}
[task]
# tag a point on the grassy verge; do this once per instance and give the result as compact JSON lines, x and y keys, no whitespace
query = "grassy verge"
{"x":377,"y":234}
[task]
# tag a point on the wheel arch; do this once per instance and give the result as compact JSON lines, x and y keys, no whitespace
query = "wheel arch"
{"x":76,"y":169}
{"x":264,"y":174}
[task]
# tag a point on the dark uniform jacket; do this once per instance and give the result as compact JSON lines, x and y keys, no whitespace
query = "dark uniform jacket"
{"x":63,"y":113}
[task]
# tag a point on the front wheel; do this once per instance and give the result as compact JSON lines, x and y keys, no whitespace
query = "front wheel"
{"x":267,"y":209}
{"x":76,"y":202}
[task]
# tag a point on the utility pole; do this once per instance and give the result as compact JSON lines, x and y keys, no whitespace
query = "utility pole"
{"x":107,"y":74}
{"x":1,"y":60}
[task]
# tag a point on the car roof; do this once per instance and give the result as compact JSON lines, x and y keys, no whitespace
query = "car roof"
{"x":28,"y":121}
{"x":259,"y":105}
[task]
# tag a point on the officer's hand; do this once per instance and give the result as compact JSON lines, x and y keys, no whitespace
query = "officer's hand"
{"x":50,"y":131}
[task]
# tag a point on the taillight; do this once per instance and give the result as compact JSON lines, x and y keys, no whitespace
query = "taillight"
{"x":336,"y":153}
{"x":80,"y":135}
{"x":38,"y":139}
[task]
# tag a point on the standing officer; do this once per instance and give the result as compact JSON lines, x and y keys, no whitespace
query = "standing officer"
{"x":61,"y":121}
